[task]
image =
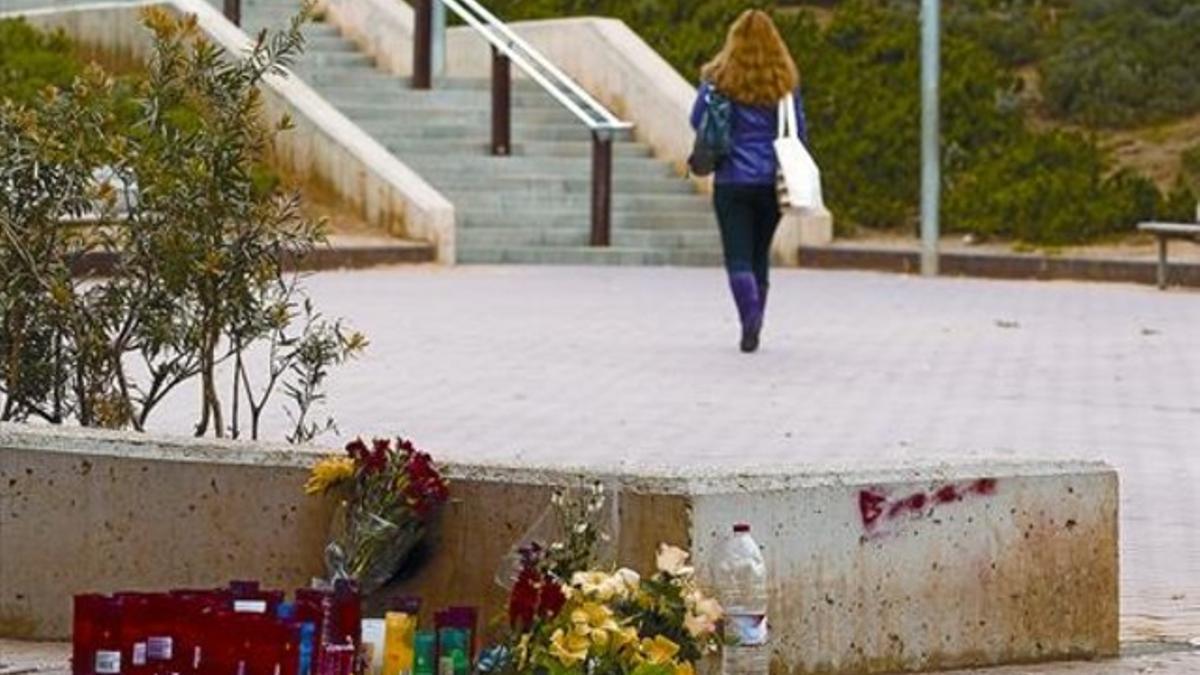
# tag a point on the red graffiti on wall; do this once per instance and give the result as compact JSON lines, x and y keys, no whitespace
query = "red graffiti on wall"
{"x":877,"y":506}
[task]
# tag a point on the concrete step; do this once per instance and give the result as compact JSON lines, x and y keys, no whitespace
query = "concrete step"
{"x":387,"y":89}
{"x":474,"y":114}
{"x":320,"y":29}
{"x":533,"y":202}
{"x":479,"y":145}
{"x":386,"y":130}
{"x":389,"y":92}
{"x":520,"y":165}
{"x":365,"y":79}
{"x":551,"y":219}
{"x":546,"y":184}
{"x":556,"y":255}
{"x":351,"y":59}
{"x":580,"y":235}
{"x":585,"y":255}
{"x":328,"y":43}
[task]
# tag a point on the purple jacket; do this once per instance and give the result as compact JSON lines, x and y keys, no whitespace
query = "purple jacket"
{"x":752,"y":160}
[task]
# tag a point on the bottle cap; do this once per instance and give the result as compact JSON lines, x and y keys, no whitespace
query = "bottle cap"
{"x":741,"y":527}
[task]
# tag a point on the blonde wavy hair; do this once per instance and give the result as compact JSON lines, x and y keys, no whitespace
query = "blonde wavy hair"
{"x":754,"y":67}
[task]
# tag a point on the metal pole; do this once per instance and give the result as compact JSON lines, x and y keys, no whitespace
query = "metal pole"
{"x":930,"y":142}
{"x":501,"y":104}
{"x":439,"y":39}
{"x":422,"y":77}
{"x":601,"y":188}
{"x":233,"y":11}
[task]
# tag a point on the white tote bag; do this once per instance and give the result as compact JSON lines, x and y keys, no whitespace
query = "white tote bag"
{"x":799,"y":179}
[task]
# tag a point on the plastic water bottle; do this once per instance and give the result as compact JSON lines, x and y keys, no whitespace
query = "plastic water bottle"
{"x":741,"y":579}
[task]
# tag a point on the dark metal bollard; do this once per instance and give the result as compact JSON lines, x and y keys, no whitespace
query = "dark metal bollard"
{"x":501,"y":104}
{"x":422,"y":77}
{"x":601,"y":187}
{"x":233,"y":11}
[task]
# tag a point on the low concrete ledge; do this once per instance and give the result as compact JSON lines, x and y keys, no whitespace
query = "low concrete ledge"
{"x":997,"y":266}
{"x":872,"y":570}
{"x":385,"y":191}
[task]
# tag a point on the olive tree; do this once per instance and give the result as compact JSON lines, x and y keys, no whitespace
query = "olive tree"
{"x":196,"y":228}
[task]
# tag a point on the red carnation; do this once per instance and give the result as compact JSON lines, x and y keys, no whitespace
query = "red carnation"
{"x":552,"y":599}
{"x":523,"y":602}
{"x":357,"y":450}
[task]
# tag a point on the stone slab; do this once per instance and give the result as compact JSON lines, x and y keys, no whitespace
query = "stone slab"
{"x":910,"y":566}
{"x":997,"y":266}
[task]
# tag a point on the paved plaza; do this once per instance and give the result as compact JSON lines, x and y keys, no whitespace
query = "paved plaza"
{"x":605,"y":367}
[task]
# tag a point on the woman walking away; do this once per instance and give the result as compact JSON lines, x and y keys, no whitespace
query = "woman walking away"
{"x":753,"y":72}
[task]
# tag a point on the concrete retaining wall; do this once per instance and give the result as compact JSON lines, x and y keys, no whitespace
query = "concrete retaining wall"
{"x":323,"y":143}
{"x":903,"y":568}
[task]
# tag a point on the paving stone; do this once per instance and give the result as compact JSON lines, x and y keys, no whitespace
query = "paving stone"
{"x":620,"y":366}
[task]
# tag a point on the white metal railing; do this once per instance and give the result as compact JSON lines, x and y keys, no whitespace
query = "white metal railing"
{"x":508,"y":47}
{"x":537,"y":66}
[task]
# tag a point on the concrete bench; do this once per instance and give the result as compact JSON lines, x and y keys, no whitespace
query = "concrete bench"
{"x":1165,"y":232}
{"x":909,"y":567}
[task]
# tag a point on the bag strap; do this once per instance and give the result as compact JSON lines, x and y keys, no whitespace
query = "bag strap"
{"x":793,"y":125}
{"x":788,"y":127}
{"x":782,"y":118}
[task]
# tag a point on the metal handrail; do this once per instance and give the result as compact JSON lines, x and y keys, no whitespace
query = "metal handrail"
{"x":507,"y":48}
{"x":521,"y":52}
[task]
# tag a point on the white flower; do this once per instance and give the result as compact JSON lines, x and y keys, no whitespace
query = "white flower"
{"x":709,"y":609}
{"x":595,"y":584}
{"x":702,"y":616}
{"x":632,"y":580}
{"x":672,"y":560}
{"x":698,"y":626}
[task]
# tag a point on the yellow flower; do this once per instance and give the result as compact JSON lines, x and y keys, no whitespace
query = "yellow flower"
{"x":672,"y":560}
{"x":659,"y":650}
{"x":685,"y":668}
{"x":594,"y":616}
{"x":569,"y":649}
{"x":625,"y":636}
{"x":328,"y":473}
{"x":523,"y":651}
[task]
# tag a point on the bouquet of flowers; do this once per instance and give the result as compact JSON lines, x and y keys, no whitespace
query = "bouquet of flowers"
{"x":611,"y":623}
{"x":389,"y":494}
{"x":567,"y":617}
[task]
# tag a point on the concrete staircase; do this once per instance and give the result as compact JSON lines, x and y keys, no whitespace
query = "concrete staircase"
{"x":532,"y":207}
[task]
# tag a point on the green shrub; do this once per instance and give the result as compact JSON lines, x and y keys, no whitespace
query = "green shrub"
{"x":1120,"y":63}
{"x":1191,"y":163}
{"x":31,"y":60}
{"x":861,"y":82}
{"x":1048,"y":189}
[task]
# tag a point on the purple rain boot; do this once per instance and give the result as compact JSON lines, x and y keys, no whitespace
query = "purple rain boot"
{"x":745,"y":294}
{"x":762,"y":304}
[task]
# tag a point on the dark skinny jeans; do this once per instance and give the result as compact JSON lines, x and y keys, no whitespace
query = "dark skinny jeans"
{"x":748,"y":216}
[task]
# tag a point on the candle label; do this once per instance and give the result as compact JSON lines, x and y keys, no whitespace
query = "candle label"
{"x":160,"y":648}
{"x":108,"y":663}
{"x":139,"y":654}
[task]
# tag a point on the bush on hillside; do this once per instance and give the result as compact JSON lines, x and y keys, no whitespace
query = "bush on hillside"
{"x":31,"y":60}
{"x":1120,"y":63}
{"x":1048,"y":189}
{"x":861,"y":80}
